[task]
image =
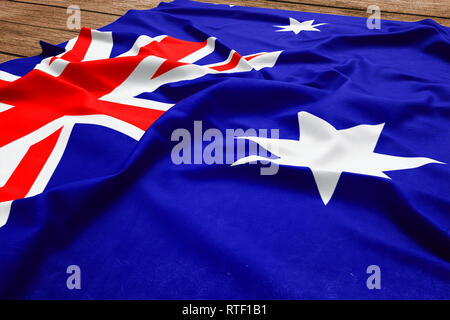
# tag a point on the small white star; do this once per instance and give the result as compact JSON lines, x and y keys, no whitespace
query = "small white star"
{"x":297,"y":26}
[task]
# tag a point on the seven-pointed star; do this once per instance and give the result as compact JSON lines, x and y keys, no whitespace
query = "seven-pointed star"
{"x":329,"y":152}
{"x":297,"y":26}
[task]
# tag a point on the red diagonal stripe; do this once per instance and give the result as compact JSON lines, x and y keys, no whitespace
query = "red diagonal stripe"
{"x":28,"y":169}
{"x":230,"y":65}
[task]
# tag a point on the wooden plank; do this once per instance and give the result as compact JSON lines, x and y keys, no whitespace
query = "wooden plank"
{"x":23,"y":40}
{"x":6,"y":57}
{"x":117,"y":7}
{"x":48,"y":23}
{"x":50,"y":17}
{"x":431,"y":8}
{"x":327,"y":10}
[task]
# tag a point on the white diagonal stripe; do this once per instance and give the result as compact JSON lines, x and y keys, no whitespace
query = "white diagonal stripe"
{"x":100,"y":47}
{"x":142,"y":41}
{"x":203,"y":52}
{"x":5,"y":208}
{"x":4,"y":107}
{"x":6,"y":76}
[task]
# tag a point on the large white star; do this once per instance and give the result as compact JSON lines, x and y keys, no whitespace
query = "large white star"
{"x":296,"y":26}
{"x":329,"y":152}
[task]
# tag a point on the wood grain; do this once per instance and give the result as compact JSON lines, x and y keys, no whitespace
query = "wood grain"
{"x":327,"y":10}
{"x":117,"y":7}
{"x":24,"y":22}
{"x":49,"y":17}
{"x":24,"y":39}
{"x":5,"y":57}
{"x":431,"y":8}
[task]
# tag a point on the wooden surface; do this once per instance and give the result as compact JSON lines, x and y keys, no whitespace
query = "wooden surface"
{"x":23,"y":23}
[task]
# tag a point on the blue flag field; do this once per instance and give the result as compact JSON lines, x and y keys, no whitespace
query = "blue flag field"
{"x":203,"y":151}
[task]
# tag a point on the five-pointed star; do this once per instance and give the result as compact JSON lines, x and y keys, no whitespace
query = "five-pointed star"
{"x":297,"y":26}
{"x":329,"y":152}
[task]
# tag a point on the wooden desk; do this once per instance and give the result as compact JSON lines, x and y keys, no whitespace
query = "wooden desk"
{"x":23,"y":23}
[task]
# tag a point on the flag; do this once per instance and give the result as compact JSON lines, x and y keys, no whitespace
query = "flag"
{"x":203,"y":151}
